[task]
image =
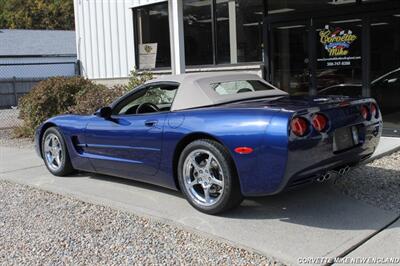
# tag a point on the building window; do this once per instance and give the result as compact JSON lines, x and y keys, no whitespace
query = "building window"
{"x":223,"y":22}
{"x":239,"y":31}
{"x":249,"y":23}
{"x":223,"y":32}
{"x":198,"y":32}
{"x":289,"y":58}
{"x":152,"y":36}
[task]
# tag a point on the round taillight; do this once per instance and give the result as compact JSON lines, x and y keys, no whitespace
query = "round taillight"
{"x":299,"y":126}
{"x":319,"y":122}
{"x":364,"y":112}
{"x":374,"y":110}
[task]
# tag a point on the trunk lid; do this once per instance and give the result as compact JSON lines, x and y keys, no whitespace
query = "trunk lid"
{"x":295,"y":103}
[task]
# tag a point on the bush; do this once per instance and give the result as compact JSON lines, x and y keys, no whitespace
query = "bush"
{"x":75,"y":95}
{"x":89,"y":101}
{"x":137,"y":79}
{"x":49,"y":98}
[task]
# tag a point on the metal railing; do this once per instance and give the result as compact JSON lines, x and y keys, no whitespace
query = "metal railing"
{"x":9,"y":118}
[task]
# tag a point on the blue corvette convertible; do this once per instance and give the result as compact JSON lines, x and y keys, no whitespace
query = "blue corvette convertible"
{"x":217,"y":137}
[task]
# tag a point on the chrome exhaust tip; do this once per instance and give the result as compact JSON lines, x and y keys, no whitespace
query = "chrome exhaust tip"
{"x":347,"y":169}
{"x":328,"y":176}
{"x":324,"y":177}
{"x":344,"y":170}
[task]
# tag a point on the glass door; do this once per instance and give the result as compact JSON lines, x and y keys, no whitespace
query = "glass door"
{"x":289,"y":57}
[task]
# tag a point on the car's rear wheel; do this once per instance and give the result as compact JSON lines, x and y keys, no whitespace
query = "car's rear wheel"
{"x":208,"y":178}
{"x":55,"y":153}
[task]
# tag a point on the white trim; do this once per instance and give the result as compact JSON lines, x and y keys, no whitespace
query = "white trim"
{"x":232,"y":31}
{"x":140,"y":3}
{"x":177,"y":39}
{"x":171,"y":33}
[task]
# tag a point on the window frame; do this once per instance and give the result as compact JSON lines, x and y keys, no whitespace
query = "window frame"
{"x":136,"y":35}
{"x":214,"y":33}
{"x":214,"y":41}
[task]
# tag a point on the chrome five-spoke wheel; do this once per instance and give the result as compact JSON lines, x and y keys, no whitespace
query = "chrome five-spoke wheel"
{"x":207,"y":177}
{"x":203,"y":177}
{"x":53,"y":151}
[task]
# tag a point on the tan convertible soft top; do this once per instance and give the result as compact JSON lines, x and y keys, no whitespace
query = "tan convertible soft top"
{"x":195,"y":89}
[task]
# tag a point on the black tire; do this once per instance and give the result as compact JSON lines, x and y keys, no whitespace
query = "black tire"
{"x":65,"y":167}
{"x":231,"y":195}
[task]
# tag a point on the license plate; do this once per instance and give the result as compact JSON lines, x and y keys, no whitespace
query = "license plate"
{"x":345,"y":138}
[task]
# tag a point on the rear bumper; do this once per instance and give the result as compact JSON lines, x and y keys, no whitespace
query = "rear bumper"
{"x":308,"y":159}
{"x":308,"y":163}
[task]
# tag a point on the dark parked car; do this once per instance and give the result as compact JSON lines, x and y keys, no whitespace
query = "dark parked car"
{"x":385,"y":89}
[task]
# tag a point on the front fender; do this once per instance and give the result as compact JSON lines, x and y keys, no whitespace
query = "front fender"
{"x":69,"y":126}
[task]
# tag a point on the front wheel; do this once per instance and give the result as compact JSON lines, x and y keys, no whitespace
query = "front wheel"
{"x":55,"y":153}
{"x":208,"y":178}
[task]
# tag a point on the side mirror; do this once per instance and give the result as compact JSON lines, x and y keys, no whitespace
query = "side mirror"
{"x":104,"y":112}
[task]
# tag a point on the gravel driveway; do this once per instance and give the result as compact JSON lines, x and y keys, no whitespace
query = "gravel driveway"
{"x":38,"y":227}
{"x":377,"y":183}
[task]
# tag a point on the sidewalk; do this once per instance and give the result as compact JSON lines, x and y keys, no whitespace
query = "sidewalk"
{"x":385,"y":245}
{"x":386,"y":145}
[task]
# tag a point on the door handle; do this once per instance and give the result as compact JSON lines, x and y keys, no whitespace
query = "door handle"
{"x":150,"y":123}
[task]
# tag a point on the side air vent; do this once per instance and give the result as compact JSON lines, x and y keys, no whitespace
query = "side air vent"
{"x":77,"y":145}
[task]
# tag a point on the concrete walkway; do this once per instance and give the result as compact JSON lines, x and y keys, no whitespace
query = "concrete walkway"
{"x":313,"y":222}
{"x":386,"y":145}
{"x":385,"y":245}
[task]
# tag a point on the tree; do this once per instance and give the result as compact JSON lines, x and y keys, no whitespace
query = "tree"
{"x":37,"y":14}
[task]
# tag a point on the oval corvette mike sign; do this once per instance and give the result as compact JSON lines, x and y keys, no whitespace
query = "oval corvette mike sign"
{"x":336,"y":40}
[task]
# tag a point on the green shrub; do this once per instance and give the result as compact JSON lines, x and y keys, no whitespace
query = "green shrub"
{"x":137,"y":79}
{"x":90,"y":100}
{"x":50,"y":98}
{"x":22,"y":132}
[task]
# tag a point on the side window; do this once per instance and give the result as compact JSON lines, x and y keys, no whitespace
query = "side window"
{"x":155,"y":98}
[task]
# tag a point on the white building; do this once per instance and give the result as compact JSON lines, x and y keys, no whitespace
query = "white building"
{"x":109,"y":33}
